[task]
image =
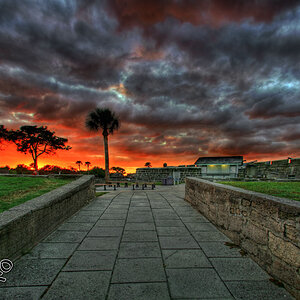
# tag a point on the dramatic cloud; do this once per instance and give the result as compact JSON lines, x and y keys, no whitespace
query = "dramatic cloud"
{"x":145,"y":13}
{"x":187,"y":78}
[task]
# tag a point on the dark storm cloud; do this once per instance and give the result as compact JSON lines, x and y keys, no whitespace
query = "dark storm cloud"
{"x":188,"y":86}
{"x":186,"y":77}
{"x":275,"y":106}
{"x":49,"y":108}
{"x":49,"y":39}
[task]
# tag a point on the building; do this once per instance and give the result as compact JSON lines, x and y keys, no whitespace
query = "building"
{"x":219,"y":166}
{"x":159,"y":174}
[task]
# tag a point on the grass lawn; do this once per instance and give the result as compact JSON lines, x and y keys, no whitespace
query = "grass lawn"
{"x":98,"y":194}
{"x":289,"y":190}
{"x":16,"y":190}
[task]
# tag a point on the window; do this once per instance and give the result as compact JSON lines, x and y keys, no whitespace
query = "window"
{"x":218,"y":169}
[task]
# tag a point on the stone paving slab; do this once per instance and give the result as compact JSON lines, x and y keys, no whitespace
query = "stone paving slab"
{"x":110,"y":223}
{"x":76,"y":226}
{"x":33,"y":272}
{"x":219,"y":249}
{"x":172,"y":231}
{"x":31,"y":292}
{"x":263,"y":290}
{"x":138,"y":245}
{"x":166,"y":217}
{"x":140,"y":226}
{"x":169,"y":223}
{"x":81,"y":285}
{"x":238,"y":269}
{"x":139,"y":236}
{"x":139,"y":270}
{"x":190,"y":283}
{"x":106,"y":231}
{"x":178,"y":242}
{"x":91,"y":261}
{"x":139,"y":250}
{"x":100,"y":243}
{"x":185,"y":258}
{"x":114,"y":216}
{"x":138,"y":291}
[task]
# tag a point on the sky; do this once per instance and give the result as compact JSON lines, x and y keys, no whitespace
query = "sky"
{"x":187,"y":78}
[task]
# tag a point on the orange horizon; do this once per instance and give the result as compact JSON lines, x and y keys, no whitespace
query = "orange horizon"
{"x":66,"y":159}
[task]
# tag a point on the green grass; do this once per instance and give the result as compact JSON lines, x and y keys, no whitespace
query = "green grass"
{"x":98,"y":194}
{"x":17,"y":190}
{"x":289,"y":190}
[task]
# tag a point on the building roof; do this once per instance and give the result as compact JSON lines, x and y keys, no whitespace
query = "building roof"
{"x":220,"y":160}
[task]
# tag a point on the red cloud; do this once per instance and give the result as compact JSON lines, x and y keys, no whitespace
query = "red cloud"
{"x":132,"y":13}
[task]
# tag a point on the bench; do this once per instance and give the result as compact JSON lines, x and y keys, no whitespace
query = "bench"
{"x":118,"y":183}
{"x":144,"y":185}
{"x":115,"y":184}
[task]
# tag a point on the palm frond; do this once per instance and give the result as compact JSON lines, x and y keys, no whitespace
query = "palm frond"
{"x":102,"y":118}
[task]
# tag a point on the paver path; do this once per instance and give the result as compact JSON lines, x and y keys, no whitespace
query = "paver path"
{"x":138,"y":245}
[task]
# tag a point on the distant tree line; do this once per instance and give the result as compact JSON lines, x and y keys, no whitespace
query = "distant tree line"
{"x":50,"y":169}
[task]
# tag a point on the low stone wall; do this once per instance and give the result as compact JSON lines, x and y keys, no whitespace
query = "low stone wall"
{"x":22,"y":226}
{"x":267,"y":227}
{"x":278,"y":169}
{"x":158,"y":174}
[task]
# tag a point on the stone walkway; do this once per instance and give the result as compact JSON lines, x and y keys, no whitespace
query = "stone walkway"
{"x":138,"y":245}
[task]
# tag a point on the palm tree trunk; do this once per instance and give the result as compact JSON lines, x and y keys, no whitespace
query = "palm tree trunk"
{"x":105,"y":137}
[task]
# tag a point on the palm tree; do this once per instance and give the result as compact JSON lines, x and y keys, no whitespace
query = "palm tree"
{"x":106,"y":120}
{"x":148,"y":164}
{"x":79,"y":162}
{"x":87,"y":163}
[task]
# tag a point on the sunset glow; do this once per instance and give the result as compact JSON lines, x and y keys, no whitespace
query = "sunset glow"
{"x":186,"y":78}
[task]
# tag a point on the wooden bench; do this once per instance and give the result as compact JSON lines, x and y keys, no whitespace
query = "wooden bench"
{"x":143,"y":184}
{"x":114,"y":184}
{"x":118,"y":183}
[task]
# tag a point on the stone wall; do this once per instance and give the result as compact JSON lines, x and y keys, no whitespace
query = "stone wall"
{"x":22,"y":226}
{"x":267,"y":227}
{"x":158,"y":174}
{"x":279,"y":169}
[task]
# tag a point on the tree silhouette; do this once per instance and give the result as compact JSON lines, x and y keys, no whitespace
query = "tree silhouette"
{"x":118,"y":170}
{"x":78,"y":163}
{"x":36,"y":141}
{"x":87,"y":163}
{"x":98,"y":172}
{"x":148,"y":164}
{"x":21,"y":168}
{"x":3,"y":134}
{"x":105,"y":120}
{"x":165,"y":165}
